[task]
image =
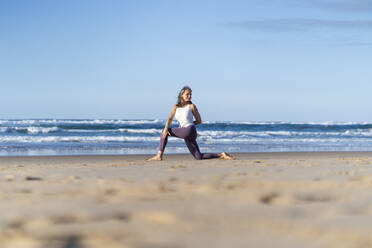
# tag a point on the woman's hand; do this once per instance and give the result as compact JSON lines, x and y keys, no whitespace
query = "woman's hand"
{"x":196,"y":114}
{"x":165,"y":133}
{"x":169,"y":121}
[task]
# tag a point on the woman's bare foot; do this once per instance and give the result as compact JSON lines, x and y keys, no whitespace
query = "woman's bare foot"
{"x":226,"y":156}
{"x":155,"y":158}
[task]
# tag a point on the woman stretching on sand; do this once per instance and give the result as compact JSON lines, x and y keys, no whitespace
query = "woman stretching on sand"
{"x":184,"y":111}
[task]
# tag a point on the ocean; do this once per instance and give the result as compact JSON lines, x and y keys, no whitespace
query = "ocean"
{"x":31,"y":137}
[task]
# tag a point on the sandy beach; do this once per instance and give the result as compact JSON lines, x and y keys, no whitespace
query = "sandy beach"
{"x":258,"y":200}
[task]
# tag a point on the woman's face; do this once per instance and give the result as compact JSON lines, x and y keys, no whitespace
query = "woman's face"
{"x":186,"y":96}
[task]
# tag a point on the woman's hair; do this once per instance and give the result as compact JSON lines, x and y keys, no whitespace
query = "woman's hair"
{"x":180,"y":101}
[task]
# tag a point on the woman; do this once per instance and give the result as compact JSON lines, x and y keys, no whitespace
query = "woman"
{"x":184,"y":111}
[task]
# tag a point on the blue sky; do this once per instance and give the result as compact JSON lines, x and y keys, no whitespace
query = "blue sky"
{"x":267,"y":60}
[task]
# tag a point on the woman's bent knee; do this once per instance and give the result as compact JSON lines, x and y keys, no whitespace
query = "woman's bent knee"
{"x":198,"y":156}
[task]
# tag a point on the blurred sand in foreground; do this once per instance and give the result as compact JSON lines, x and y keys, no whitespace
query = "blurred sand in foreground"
{"x":259,"y":200}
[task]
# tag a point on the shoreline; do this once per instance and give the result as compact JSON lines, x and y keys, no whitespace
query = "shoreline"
{"x":172,"y":156}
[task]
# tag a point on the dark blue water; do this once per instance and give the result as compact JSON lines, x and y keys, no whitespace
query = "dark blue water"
{"x":102,"y":136}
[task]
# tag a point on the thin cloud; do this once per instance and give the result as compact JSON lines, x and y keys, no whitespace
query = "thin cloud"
{"x":344,"y":5}
{"x":332,"y":5}
{"x":298,"y":25}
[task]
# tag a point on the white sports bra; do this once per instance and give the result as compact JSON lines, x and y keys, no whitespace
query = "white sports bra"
{"x":184,"y":116}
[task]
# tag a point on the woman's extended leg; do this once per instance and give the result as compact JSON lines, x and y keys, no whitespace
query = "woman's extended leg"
{"x":194,"y":150}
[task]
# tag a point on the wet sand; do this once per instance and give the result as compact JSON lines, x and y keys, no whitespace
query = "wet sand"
{"x":258,"y":200}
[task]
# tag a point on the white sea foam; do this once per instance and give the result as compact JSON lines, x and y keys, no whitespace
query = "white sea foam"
{"x":283,"y":140}
{"x":112,"y":121}
{"x":149,"y":131}
{"x":84,"y":130}
{"x":80,"y":121}
{"x":89,"y":139}
{"x":293,"y":134}
{"x":109,"y":121}
{"x":244,"y":133}
{"x":29,"y":129}
{"x":4,"y":129}
{"x":35,"y":130}
{"x":324,"y":123}
{"x":120,"y":130}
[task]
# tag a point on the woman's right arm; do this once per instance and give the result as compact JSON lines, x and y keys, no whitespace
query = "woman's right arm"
{"x":169,"y":121}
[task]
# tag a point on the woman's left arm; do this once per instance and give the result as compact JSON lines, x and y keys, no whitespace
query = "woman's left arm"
{"x":196,"y":114}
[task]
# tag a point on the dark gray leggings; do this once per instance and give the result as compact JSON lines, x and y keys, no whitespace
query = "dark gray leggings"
{"x":189,"y":135}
